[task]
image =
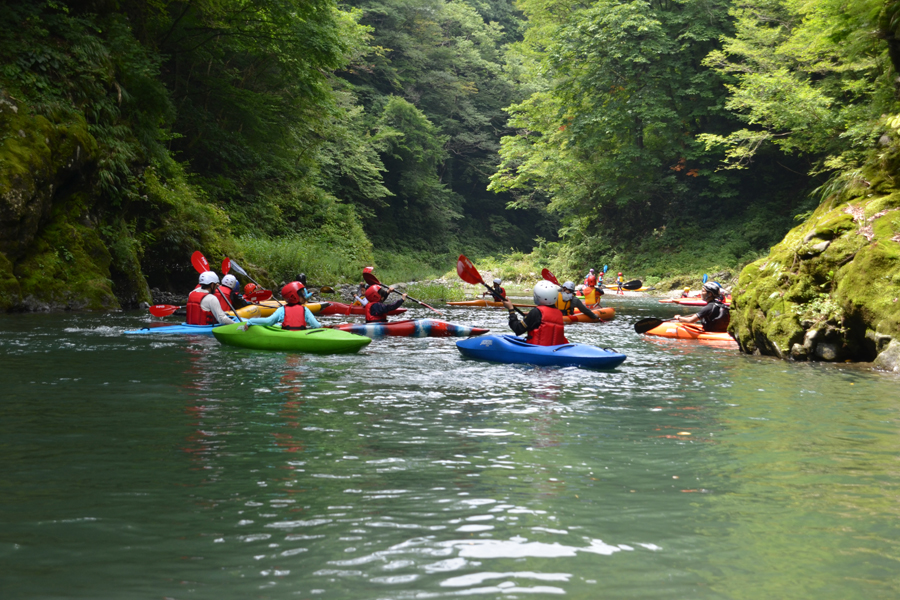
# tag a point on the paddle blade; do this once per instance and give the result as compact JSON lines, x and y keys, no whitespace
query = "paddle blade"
{"x":632,"y":285}
{"x":201,"y":265}
{"x":467,"y":271}
{"x":645,"y":325}
{"x":546,"y":274}
{"x":605,"y":269}
{"x":370,"y":279}
{"x":368,"y":269}
{"x":226,"y":266}
{"x":705,"y":278}
{"x":237,"y":268}
{"x":259,"y":295}
{"x":326,"y":289}
{"x":162,"y":310}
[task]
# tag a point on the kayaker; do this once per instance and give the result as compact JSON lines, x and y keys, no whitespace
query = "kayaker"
{"x":376,"y":308}
{"x":203,"y":307}
{"x":715,"y":316}
{"x":497,"y":293}
{"x":233,"y":287}
{"x":619,"y":281}
{"x":302,"y":279}
{"x":543,"y":325}
{"x":590,"y":289}
{"x":567,"y":303}
{"x":294,"y":314}
{"x":359,"y":298}
{"x":686,"y":293}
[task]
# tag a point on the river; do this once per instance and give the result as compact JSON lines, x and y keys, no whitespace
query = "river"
{"x":139,"y":467}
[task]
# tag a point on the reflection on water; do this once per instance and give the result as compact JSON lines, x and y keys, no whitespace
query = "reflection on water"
{"x":175,"y":467}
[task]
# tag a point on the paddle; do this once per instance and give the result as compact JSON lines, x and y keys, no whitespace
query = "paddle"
{"x":468,"y":273}
{"x":632,"y":285}
{"x":163,"y":310}
{"x":201,"y":265}
{"x":645,"y":325}
{"x":240,"y":270}
{"x":372,"y":280}
{"x":226,"y":266}
{"x":546,"y":274}
{"x":705,"y":278}
{"x":259,"y":296}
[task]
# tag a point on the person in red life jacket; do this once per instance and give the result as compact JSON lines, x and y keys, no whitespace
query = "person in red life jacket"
{"x":377,"y":309}
{"x":294,"y":314}
{"x":590,"y":280}
{"x":497,"y":293}
{"x":715,"y":316}
{"x":232,"y":289}
{"x":203,"y":307}
{"x":686,"y":293}
{"x":543,"y":325}
{"x":567,"y":303}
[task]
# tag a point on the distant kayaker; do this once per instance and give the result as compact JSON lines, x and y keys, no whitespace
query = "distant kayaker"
{"x":543,"y":325}
{"x":591,"y":296}
{"x":233,"y":287}
{"x":302,"y":279}
{"x":359,"y":298}
{"x":496,"y":291}
{"x":376,"y":308}
{"x":715,"y":316}
{"x":686,"y":293}
{"x":619,"y":281}
{"x":294,"y":314}
{"x":203,"y":307}
{"x":567,"y":303}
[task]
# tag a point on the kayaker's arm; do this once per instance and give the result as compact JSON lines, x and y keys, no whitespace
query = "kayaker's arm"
{"x":532,"y":319}
{"x":275,"y":317}
{"x":211,"y":303}
{"x":577,"y":303}
{"x":381,"y":308}
{"x":311,"y":321}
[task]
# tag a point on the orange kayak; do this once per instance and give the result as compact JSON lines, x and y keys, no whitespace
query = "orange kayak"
{"x":689,"y":331}
{"x":605,"y":314}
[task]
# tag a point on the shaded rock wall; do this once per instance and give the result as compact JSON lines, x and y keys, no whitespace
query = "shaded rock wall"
{"x":52,"y":254}
{"x":831,"y":289}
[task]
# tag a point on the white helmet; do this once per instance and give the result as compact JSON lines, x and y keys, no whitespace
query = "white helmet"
{"x":545,"y":293}
{"x":208,"y":277}
{"x":230,"y":281}
{"x":712,"y":287}
{"x":498,"y":281}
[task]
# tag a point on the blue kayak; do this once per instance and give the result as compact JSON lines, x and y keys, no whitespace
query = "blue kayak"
{"x":180,"y":329}
{"x":512,"y":349}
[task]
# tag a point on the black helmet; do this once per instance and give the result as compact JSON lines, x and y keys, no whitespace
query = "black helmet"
{"x":301,"y":278}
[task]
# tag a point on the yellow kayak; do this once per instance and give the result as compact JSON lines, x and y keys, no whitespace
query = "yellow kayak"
{"x":266,"y":308}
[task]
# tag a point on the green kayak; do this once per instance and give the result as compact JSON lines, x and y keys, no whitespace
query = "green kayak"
{"x":315,"y":341}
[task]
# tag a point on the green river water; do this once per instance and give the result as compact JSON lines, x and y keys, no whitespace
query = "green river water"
{"x":139,"y":467}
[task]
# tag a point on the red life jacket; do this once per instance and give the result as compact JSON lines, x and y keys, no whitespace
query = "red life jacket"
{"x":294,"y":316}
{"x":370,"y":318}
{"x":226,"y":292}
{"x":590,"y":281}
{"x":195,"y":314}
{"x":551,"y":331}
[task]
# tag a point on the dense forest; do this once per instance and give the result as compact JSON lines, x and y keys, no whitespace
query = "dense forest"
{"x":665,"y":137}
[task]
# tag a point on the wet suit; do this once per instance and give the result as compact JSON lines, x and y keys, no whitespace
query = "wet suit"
{"x":714,"y":317}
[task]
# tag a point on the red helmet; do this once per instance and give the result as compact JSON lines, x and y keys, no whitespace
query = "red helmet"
{"x":291,"y":292}
{"x":373,"y":293}
{"x":620,"y":272}
{"x":249,"y":288}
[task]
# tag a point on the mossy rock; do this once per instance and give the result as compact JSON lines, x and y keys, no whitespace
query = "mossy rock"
{"x":851,"y":283}
{"x":37,"y":158}
{"x":67,"y":265}
{"x":10,"y":293}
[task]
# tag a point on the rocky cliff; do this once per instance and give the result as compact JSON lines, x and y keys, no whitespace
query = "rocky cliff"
{"x":831,"y":289}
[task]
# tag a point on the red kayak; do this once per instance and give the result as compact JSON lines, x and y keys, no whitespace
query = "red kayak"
{"x":339,"y":308}
{"x":417,"y":328}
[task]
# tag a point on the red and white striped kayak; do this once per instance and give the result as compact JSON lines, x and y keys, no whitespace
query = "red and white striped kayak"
{"x":412,"y":328}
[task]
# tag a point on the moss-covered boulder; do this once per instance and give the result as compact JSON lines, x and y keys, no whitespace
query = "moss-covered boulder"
{"x":831,"y":289}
